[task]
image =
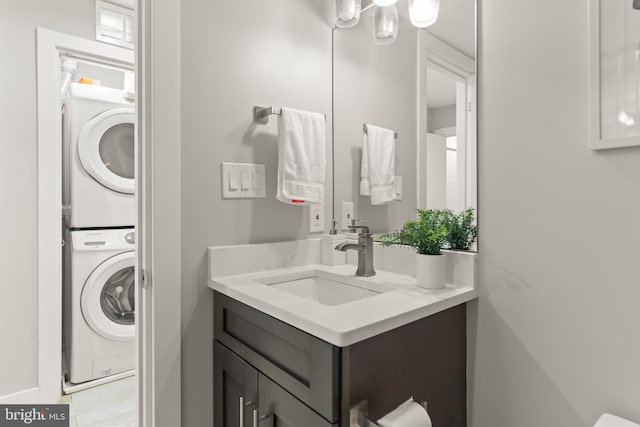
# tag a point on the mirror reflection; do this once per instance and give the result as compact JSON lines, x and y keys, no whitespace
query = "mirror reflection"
{"x":421,"y":87}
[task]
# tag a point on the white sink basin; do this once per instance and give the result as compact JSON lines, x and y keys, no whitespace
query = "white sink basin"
{"x":319,"y":287}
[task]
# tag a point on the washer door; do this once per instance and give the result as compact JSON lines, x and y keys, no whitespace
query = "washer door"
{"x":106,"y":149}
{"x":108,"y":298}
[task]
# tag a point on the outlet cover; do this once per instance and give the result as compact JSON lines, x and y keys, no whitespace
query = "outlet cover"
{"x":397,"y":187}
{"x":316,"y":218}
{"x":347,"y":214}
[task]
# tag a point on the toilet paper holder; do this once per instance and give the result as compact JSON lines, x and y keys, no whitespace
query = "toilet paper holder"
{"x":359,"y":413}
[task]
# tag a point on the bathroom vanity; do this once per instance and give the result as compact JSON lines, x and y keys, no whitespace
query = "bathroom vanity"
{"x":295,"y":379}
{"x":301,"y":344}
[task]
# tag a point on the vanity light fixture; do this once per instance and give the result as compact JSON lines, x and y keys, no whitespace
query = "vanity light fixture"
{"x":385,"y":25}
{"x":384,"y":2}
{"x":347,"y":12}
{"x":423,"y":13}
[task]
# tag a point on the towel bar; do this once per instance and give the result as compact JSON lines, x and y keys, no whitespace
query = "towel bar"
{"x":364,"y":128}
{"x":261,"y":114}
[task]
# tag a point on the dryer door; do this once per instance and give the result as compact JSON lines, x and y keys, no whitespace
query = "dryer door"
{"x":106,"y":147}
{"x":108,"y":298}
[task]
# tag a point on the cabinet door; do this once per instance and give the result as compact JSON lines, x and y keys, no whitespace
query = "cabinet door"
{"x":235,"y":389}
{"x":278,"y":408}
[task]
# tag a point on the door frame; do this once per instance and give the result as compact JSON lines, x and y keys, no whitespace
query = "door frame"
{"x":158,"y":321}
{"x":159,"y":222}
{"x":50,"y":46}
{"x":157,"y":113}
{"x":435,"y":54}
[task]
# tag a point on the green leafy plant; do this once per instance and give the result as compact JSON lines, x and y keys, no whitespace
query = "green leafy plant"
{"x":461,"y":231}
{"x":427,"y":234}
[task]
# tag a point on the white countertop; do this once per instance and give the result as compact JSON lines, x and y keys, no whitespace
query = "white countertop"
{"x":400,"y":302}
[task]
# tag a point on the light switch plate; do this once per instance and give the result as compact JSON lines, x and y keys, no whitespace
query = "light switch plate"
{"x":347,"y":214}
{"x":243,"y":181}
{"x":316,"y":218}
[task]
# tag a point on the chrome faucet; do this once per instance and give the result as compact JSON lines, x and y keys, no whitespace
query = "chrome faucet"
{"x":364,"y":248}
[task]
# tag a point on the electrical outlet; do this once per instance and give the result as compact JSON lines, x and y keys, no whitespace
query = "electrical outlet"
{"x":347,"y":214}
{"x":316,"y":214}
{"x":397,"y":187}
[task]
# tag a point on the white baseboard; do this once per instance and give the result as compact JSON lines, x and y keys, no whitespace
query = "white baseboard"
{"x":29,"y":396}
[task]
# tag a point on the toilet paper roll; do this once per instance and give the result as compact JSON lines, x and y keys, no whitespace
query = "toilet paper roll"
{"x":409,"y":414}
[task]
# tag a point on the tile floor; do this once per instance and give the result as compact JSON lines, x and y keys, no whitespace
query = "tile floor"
{"x":108,"y":405}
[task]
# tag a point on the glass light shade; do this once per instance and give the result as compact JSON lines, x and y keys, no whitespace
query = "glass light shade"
{"x":347,"y":12}
{"x":423,"y":13}
{"x":386,"y":2}
{"x":385,"y":25}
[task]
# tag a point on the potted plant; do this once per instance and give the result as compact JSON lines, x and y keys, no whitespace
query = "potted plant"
{"x":461,"y":231}
{"x":427,"y":235}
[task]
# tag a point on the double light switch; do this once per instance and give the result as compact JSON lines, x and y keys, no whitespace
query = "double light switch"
{"x":243,"y":181}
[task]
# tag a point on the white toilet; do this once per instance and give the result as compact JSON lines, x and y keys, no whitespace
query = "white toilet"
{"x":608,"y":420}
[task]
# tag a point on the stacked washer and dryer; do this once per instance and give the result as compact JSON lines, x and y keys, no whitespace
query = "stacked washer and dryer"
{"x":99,"y":216}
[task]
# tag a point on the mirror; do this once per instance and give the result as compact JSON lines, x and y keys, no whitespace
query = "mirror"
{"x":614,"y":73}
{"x":421,"y":86}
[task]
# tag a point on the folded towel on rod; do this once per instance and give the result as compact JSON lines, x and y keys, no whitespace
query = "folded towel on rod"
{"x":377,"y":171}
{"x":301,"y":157}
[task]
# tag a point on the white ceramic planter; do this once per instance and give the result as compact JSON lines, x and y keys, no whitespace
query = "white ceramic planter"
{"x":431,"y":271}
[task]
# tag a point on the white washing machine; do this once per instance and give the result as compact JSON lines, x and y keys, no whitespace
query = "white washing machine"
{"x":99,"y":303}
{"x":98,"y":133}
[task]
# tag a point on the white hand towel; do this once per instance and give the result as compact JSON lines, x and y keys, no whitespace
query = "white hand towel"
{"x":409,"y":414}
{"x":377,"y":171}
{"x":301,"y":157}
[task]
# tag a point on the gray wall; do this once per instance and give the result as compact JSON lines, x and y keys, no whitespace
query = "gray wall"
{"x":237,"y":54}
{"x":443,"y":117}
{"x":377,"y":85}
{"x":18,"y":175}
{"x":554,"y":335}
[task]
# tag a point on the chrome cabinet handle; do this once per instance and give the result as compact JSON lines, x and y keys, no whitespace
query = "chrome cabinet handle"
{"x":243,"y":405}
{"x":257,"y":419}
{"x":241,"y":411}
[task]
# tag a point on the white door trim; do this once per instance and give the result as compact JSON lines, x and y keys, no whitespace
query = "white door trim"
{"x":158,"y":222}
{"x":50,"y":45}
{"x":436,"y":54}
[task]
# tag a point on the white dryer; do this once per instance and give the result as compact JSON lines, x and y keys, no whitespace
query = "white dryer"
{"x":98,"y":160}
{"x":99,"y":303}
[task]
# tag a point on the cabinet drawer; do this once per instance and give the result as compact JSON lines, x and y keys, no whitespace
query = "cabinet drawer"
{"x":279,"y":408}
{"x":306,"y":366}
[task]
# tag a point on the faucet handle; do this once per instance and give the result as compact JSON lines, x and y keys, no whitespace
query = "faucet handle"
{"x":353,"y":227}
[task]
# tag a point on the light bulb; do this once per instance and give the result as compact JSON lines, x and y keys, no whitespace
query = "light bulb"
{"x":385,"y":25}
{"x":347,"y":13}
{"x":423,"y":13}
{"x":384,"y":2}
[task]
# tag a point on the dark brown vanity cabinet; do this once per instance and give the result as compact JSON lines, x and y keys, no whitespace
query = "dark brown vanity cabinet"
{"x":278,"y":375}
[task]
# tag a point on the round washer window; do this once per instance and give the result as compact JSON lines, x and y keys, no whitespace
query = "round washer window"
{"x":117,"y":299}
{"x":116,"y":150}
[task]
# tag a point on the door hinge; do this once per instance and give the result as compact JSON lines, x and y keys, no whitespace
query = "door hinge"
{"x":145,"y":278}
